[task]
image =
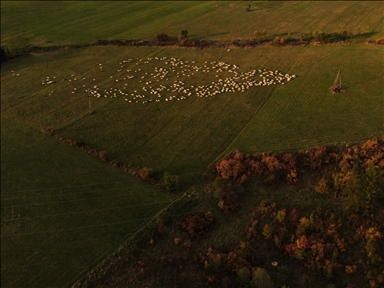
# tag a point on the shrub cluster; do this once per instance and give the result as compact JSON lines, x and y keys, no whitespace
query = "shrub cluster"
{"x":267,"y":166}
{"x":318,"y":241}
{"x":228,"y":193}
{"x":275,"y":167}
{"x":162,"y":37}
{"x":196,"y":224}
{"x":169,"y":182}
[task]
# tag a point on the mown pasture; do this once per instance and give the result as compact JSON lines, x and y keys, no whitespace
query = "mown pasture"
{"x":63,"y":211}
{"x":183,"y":137}
{"x":45,"y":23}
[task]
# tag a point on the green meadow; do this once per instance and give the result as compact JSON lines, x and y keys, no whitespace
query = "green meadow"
{"x":64,"y":211}
{"x":46,"y":23}
{"x":173,"y":136}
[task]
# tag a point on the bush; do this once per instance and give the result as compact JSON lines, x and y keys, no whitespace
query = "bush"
{"x":244,"y":276}
{"x":283,"y":40}
{"x":197,"y":224}
{"x":220,"y":186}
{"x":267,"y":231}
{"x":183,"y":35}
{"x":103,"y":155}
{"x":170,"y":182}
{"x":380,"y":41}
{"x":322,"y":187}
{"x":162,"y":37}
{"x":231,"y":169}
{"x":227,"y":192}
{"x":277,"y":40}
{"x":4,"y":54}
{"x":187,"y":43}
{"x":145,"y":173}
{"x":343,"y":34}
{"x":320,"y":36}
{"x":261,"y":279}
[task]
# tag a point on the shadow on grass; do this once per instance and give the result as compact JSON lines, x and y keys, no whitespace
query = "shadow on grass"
{"x":364,"y":35}
{"x":208,"y":36}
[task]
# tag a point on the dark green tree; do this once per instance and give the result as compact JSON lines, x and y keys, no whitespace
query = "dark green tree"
{"x":3,"y":54}
{"x":363,"y":192}
{"x":162,"y":37}
{"x":183,"y":35}
{"x":170,"y":182}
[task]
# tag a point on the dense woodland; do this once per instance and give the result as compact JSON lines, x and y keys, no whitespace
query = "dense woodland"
{"x":339,"y":243}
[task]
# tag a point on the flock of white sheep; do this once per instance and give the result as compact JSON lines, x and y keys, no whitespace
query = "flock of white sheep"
{"x":142,"y":81}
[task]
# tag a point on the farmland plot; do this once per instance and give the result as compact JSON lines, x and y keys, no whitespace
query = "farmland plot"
{"x":54,"y":199}
{"x":173,"y":135}
{"x":46,"y":24}
{"x":306,"y":114}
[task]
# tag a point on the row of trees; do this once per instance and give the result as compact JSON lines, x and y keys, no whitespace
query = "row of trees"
{"x":317,"y":36}
{"x":260,"y":36}
{"x":276,"y":167}
{"x":167,"y":181}
{"x":163,"y":37}
{"x":352,"y":174}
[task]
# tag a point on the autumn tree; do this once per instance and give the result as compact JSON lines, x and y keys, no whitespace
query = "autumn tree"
{"x":145,"y":173}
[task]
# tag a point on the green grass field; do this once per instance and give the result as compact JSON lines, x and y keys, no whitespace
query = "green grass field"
{"x":64,"y":211}
{"x":44,"y":23}
{"x":174,"y":136}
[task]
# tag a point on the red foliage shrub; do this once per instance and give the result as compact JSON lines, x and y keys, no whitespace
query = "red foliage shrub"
{"x":272,"y":163}
{"x":256,"y":167}
{"x":103,"y":155}
{"x":238,"y":156}
{"x":314,"y":157}
{"x":294,"y":215}
{"x":289,"y":161}
{"x":230,"y":169}
{"x":283,"y":40}
{"x":244,"y":179}
{"x":196,"y":224}
{"x":145,"y":173}
{"x":292,"y":176}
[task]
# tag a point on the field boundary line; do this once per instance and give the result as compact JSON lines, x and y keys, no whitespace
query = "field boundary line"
{"x":83,"y":211}
{"x":74,"y":228}
{"x":258,"y":109}
{"x":123,"y":246}
{"x":163,"y":128}
{"x":253,"y":116}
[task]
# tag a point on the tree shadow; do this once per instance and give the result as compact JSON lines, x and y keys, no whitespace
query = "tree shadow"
{"x":292,"y":34}
{"x":205,"y":37}
{"x":364,"y":35}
